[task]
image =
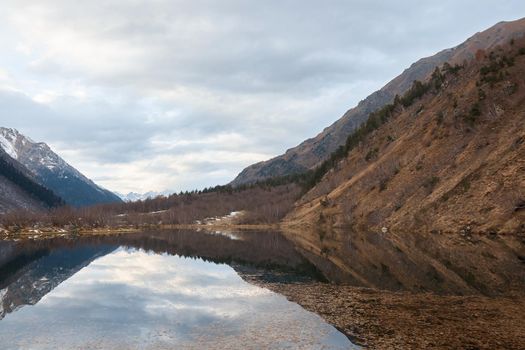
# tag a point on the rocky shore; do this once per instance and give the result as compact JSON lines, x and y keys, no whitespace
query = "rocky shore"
{"x":22,"y":233}
{"x":379,"y":319}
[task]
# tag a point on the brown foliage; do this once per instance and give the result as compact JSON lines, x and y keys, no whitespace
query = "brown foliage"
{"x":263,"y":204}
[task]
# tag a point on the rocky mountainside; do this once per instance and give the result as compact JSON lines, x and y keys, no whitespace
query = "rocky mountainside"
{"x":448,"y":157}
{"x":52,"y":171}
{"x":311,"y":152}
{"x":20,"y":190}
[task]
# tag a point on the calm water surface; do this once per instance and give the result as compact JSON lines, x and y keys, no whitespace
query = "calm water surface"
{"x":178,"y":290}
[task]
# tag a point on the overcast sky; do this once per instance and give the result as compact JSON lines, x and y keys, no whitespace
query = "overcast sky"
{"x":158,"y":94}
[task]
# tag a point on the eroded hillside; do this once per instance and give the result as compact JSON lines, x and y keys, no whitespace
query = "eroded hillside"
{"x":452,"y":160}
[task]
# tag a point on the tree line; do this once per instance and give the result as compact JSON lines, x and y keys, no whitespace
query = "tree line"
{"x":262,"y":204}
{"x":266,"y":201}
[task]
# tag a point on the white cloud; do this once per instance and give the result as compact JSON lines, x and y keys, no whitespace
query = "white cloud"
{"x":149,"y":95}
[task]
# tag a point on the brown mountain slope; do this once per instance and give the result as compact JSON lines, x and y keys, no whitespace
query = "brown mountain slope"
{"x":454,"y":161}
{"x":311,"y":152}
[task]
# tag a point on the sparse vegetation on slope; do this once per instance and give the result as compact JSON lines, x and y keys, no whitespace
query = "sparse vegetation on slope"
{"x":262,"y":204}
{"x":443,"y":156}
{"x":312,"y":152}
{"x":374,"y":121}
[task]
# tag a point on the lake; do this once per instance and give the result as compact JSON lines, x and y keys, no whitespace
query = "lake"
{"x":164,"y":290}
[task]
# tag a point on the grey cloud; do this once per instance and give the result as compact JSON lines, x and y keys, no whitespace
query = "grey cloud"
{"x":167,"y":80}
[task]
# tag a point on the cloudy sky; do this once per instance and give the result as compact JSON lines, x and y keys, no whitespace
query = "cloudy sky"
{"x":158,"y":94}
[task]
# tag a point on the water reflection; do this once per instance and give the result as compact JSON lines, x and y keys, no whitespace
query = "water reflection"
{"x":140,"y":291}
{"x":441,"y":263}
{"x":132,"y":299}
{"x":26,"y":278}
{"x":186,"y":287}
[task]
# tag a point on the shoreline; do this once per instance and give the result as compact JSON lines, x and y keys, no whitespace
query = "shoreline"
{"x":50,"y":232}
{"x":374,"y":318}
{"x":380,"y":319}
{"x":285,"y":227}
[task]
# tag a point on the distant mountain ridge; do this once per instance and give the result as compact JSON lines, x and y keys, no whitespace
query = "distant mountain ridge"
{"x":134,"y":196}
{"x":312,"y":152}
{"x":52,"y":171}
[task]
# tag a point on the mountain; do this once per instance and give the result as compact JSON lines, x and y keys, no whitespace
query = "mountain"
{"x":312,"y":152}
{"x":447,"y":157}
{"x":52,"y":171}
{"x":134,"y":196}
{"x":20,"y":190}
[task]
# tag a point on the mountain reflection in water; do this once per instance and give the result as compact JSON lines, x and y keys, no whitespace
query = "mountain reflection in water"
{"x":187,"y":287}
{"x":457,"y":264}
{"x":154,"y":290}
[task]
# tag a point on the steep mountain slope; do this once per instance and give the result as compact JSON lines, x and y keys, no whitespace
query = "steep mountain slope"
{"x":311,"y":152}
{"x":451,"y":160}
{"x":19,"y":190}
{"x":52,"y":171}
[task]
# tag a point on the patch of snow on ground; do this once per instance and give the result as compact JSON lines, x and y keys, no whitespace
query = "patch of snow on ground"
{"x":220,"y":219}
{"x":157,"y":212}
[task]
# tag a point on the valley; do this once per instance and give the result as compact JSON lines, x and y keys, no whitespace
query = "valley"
{"x":400,"y":226}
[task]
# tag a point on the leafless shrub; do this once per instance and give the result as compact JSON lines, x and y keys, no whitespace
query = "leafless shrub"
{"x":263,"y":204}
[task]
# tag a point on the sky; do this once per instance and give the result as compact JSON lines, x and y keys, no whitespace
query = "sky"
{"x":179,"y":95}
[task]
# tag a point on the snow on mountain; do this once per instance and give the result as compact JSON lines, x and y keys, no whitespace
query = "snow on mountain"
{"x":52,"y":171}
{"x":8,"y":139}
{"x":134,"y":196}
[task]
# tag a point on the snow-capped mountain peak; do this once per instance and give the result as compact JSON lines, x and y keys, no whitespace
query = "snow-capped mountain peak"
{"x":34,"y":155}
{"x":134,"y":196}
{"x":52,"y":171}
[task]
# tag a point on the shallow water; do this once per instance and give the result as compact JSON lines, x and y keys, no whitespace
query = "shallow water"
{"x":127,"y":293}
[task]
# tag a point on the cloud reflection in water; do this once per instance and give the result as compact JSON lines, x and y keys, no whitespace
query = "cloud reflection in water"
{"x":134,"y":299}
